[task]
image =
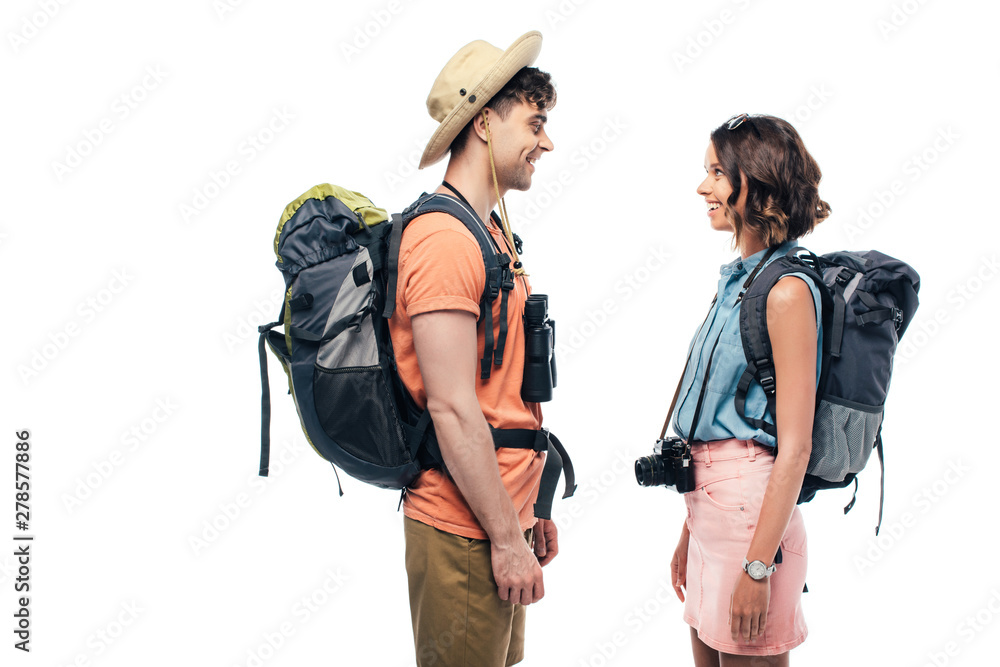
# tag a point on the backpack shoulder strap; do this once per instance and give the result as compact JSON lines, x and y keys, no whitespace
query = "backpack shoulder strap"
{"x":436,"y":202}
{"x":755,"y":337}
{"x":391,"y":260}
{"x":499,"y":278}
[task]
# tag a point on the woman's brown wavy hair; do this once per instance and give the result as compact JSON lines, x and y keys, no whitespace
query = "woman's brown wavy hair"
{"x":782,"y":180}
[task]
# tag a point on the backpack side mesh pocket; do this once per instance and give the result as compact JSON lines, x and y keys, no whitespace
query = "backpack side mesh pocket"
{"x":843,"y":437}
{"x":353,"y":399}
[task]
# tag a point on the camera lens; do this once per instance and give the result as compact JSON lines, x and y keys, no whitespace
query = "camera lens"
{"x":649,"y":471}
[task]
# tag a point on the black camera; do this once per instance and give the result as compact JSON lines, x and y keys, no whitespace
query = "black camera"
{"x":539,"y":344}
{"x":670,"y":465}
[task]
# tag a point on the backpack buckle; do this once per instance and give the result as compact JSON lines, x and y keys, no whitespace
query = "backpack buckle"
{"x":897,"y":318}
{"x":844,"y":276}
{"x":766,"y":377}
{"x":541,"y":443}
{"x":494,"y":280}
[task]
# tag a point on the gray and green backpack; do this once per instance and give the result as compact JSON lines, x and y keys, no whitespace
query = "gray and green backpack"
{"x":338,"y":255}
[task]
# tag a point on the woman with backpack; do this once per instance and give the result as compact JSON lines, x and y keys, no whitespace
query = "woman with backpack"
{"x":740,"y":564}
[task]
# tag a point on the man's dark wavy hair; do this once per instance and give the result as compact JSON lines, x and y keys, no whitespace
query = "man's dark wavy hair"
{"x":782,"y":180}
{"x":530,"y":84}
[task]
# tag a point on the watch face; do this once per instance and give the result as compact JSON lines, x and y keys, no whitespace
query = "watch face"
{"x":756,"y":570}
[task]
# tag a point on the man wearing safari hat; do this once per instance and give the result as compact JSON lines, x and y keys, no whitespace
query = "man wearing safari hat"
{"x":473,"y":548}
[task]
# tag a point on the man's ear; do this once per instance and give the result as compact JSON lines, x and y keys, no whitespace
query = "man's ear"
{"x":479,"y":126}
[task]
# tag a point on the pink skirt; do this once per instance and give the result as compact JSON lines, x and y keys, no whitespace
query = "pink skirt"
{"x":731,"y":477}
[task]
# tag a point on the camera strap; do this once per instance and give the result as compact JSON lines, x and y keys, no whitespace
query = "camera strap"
{"x":708,"y":368}
{"x":704,"y":387}
{"x":680,"y":382}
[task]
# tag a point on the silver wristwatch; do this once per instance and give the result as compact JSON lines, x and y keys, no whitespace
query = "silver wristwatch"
{"x":757,"y":570}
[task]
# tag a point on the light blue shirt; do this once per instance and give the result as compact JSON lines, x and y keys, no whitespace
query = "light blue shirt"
{"x":719,"y":419}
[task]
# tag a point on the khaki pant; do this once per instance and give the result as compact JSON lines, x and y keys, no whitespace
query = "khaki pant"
{"x":458,"y":618}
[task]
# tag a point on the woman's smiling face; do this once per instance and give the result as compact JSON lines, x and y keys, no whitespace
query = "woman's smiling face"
{"x":716,"y":189}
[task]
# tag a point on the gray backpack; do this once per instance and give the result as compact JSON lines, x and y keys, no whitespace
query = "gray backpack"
{"x":338,"y":255}
{"x":868,"y":301}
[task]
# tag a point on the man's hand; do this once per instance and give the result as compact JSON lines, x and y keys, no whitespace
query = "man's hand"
{"x":546,"y":538}
{"x":517,"y":572}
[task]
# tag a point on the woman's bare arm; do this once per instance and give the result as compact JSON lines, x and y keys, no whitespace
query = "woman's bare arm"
{"x":791,"y":325}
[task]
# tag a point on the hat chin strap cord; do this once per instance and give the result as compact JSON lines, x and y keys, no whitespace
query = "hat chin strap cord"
{"x":518,"y":268}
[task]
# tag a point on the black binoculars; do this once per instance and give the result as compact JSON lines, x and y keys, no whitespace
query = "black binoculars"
{"x":539,"y":345}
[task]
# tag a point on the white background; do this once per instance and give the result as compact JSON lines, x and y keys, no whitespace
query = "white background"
{"x":117,"y":301}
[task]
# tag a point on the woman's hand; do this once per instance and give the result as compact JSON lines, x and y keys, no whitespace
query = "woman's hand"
{"x":748,"y":607}
{"x":678,"y":564}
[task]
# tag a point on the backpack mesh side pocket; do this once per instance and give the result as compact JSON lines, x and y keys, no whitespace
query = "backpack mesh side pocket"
{"x":356,"y":410}
{"x":843,"y":438}
{"x":350,"y":377}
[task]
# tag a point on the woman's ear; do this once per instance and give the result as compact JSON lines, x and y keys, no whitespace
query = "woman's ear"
{"x":741,"y":201}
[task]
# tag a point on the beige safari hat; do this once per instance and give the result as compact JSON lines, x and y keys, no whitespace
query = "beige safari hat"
{"x":470,"y":79}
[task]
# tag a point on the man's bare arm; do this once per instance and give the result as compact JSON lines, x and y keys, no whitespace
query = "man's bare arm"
{"x":447,"y":353}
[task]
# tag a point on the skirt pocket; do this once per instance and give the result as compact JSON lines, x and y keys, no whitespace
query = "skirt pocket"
{"x":722,"y":506}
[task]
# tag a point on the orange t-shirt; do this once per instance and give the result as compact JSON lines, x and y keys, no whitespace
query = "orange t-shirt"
{"x":441,"y":268}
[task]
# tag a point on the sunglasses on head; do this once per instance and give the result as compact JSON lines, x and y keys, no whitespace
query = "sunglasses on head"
{"x":738,"y":120}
